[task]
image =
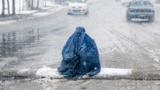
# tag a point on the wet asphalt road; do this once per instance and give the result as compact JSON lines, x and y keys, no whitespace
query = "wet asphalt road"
{"x":121,"y":44}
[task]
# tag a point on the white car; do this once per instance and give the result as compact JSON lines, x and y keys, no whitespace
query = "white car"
{"x":125,"y":2}
{"x":78,"y":7}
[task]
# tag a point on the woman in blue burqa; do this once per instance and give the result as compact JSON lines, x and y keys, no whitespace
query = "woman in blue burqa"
{"x":80,"y":56}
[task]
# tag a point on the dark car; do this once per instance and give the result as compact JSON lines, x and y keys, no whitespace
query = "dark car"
{"x":140,"y":9}
{"x":157,"y":1}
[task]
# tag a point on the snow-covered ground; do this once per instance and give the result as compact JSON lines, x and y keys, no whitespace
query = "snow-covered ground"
{"x":48,"y":72}
{"x":122,"y":45}
{"x":47,"y":7}
{"x":21,"y":5}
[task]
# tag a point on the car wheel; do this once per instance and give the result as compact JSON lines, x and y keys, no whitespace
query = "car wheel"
{"x":86,"y":13}
{"x":151,"y":19}
{"x":128,"y":18}
{"x":68,"y":13}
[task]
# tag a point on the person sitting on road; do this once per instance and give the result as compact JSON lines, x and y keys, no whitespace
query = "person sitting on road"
{"x":80,"y":56}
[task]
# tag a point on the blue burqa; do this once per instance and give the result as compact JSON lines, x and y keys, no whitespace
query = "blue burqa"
{"x":80,"y":56}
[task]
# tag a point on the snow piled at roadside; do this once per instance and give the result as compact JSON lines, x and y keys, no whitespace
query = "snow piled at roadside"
{"x":50,"y":72}
{"x":115,"y":71}
{"x":47,"y":72}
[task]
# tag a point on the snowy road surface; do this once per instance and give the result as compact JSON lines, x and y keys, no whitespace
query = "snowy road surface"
{"x":121,"y":44}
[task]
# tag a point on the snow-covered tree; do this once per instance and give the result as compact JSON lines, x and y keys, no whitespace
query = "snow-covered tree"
{"x":13,"y":7}
{"x":3,"y":8}
{"x":8,"y":4}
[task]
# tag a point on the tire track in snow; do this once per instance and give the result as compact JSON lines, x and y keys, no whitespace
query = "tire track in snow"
{"x":123,"y":37}
{"x":152,"y":48}
{"x":122,"y":49}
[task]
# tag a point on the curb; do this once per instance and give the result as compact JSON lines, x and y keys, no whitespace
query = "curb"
{"x":105,"y":74}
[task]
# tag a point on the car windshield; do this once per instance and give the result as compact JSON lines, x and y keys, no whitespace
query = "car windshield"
{"x":140,"y":3}
{"x":79,"y":1}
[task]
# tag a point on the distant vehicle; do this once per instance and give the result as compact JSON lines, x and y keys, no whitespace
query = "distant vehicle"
{"x":142,"y":9}
{"x":118,"y":0}
{"x":125,"y":2}
{"x":78,"y":7}
{"x":157,"y":1}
